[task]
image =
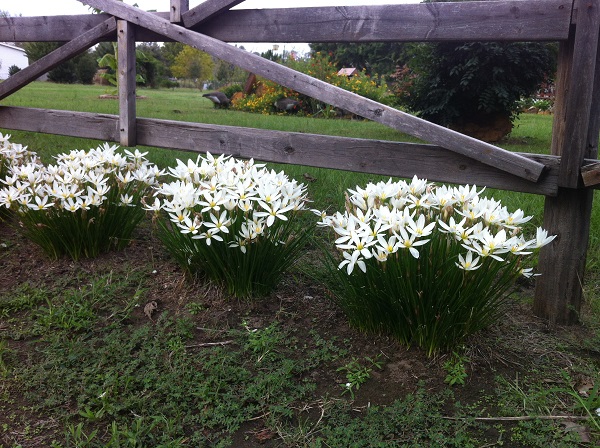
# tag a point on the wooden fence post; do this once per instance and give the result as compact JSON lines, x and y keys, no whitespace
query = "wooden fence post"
{"x":178,"y":9}
{"x":126,"y":82}
{"x":559,"y":292}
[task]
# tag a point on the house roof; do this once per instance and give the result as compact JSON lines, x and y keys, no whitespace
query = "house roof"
{"x":348,"y":71}
{"x":4,"y":44}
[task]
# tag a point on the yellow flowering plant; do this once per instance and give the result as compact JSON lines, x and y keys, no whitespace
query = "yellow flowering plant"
{"x":321,"y":67}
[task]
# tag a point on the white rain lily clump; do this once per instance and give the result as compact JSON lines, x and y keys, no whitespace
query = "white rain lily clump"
{"x":425,"y":261}
{"x":390,"y":217}
{"x":85,"y":203}
{"x":13,"y":154}
{"x":233,"y":220}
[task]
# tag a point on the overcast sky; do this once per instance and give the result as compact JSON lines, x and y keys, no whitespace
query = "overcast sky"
{"x":65,"y":7}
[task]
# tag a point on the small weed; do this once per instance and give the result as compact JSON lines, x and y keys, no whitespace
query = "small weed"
{"x":76,"y":314}
{"x":195,"y":308}
{"x":24,"y":298}
{"x":4,"y":353}
{"x":587,"y":399}
{"x":455,"y":367}
{"x":263,"y":341}
{"x":77,"y":437}
{"x":358,"y":374}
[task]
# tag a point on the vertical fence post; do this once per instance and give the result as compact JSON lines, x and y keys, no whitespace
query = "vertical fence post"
{"x":559,"y":292}
{"x":126,"y":82}
{"x":178,"y":8}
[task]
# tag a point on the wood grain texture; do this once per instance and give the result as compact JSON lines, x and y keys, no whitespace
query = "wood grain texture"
{"x":558,"y":292}
{"x":401,"y":121}
{"x":349,"y":154}
{"x":464,"y":21}
{"x":126,"y":76}
{"x":207,"y":10}
{"x":178,"y":9}
{"x":75,"y":124}
{"x":537,"y":20}
{"x":591,"y":175}
{"x":50,"y":28}
{"x":56,"y":57}
{"x":573,"y":137}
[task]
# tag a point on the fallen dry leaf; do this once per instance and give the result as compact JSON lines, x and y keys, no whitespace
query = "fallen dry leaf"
{"x":150,"y":308}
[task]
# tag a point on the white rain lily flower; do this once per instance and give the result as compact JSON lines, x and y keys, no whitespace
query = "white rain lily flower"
{"x":208,"y":237}
{"x":71,"y":205}
{"x":409,"y":242}
{"x":542,"y":238}
{"x":212,"y":201}
{"x":467,"y":263}
{"x":273,"y":210}
{"x":492,"y":245}
{"x":418,"y":228}
{"x":464,"y":193}
{"x":352,"y":260}
{"x":124,"y":177}
{"x":359,"y":244}
{"x":515,"y":219}
{"x":136,"y":155}
{"x":417,"y":186}
{"x":154,"y":207}
{"x":189,"y":225}
{"x":518,"y":246}
{"x":452,"y":227}
{"x":41,"y":203}
{"x":219,"y":224}
{"x":126,"y":199}
{"x":387,"y":246}
{"x":179,"y":216}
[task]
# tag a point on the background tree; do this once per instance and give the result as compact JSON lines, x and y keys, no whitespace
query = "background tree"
{"x":148,"y":64}
{"x":193,"y":64}
{"x":226,"y":73}
{"x":77,"y":69}
{"x":12,"y":69}
{"x":169,"y":51}
{"x":377,"y":58}
{"x":85,"y":67}
{"x":476,"y":85}
{"x":473,"y":87}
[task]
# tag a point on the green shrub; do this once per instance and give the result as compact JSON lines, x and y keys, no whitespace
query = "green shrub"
{"x":233,"y":221}
{"x":231,"y":89}
{"x":428,"y":264}
{"x":450,"y":83}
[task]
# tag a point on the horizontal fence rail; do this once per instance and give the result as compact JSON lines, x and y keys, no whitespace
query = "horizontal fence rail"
{"x":350,"y":154}
{"x":547,"y":20}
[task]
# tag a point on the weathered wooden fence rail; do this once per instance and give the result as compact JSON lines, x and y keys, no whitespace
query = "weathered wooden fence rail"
{"x":453,"y":158}
{"x":350,"y":154}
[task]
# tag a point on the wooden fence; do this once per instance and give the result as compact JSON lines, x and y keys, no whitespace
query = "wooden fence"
{"x":566,"y":178}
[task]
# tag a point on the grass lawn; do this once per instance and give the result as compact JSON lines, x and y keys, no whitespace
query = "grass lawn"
{"x":124,"y":351}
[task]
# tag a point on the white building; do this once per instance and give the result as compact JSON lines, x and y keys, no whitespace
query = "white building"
{"x":9,"y":56}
